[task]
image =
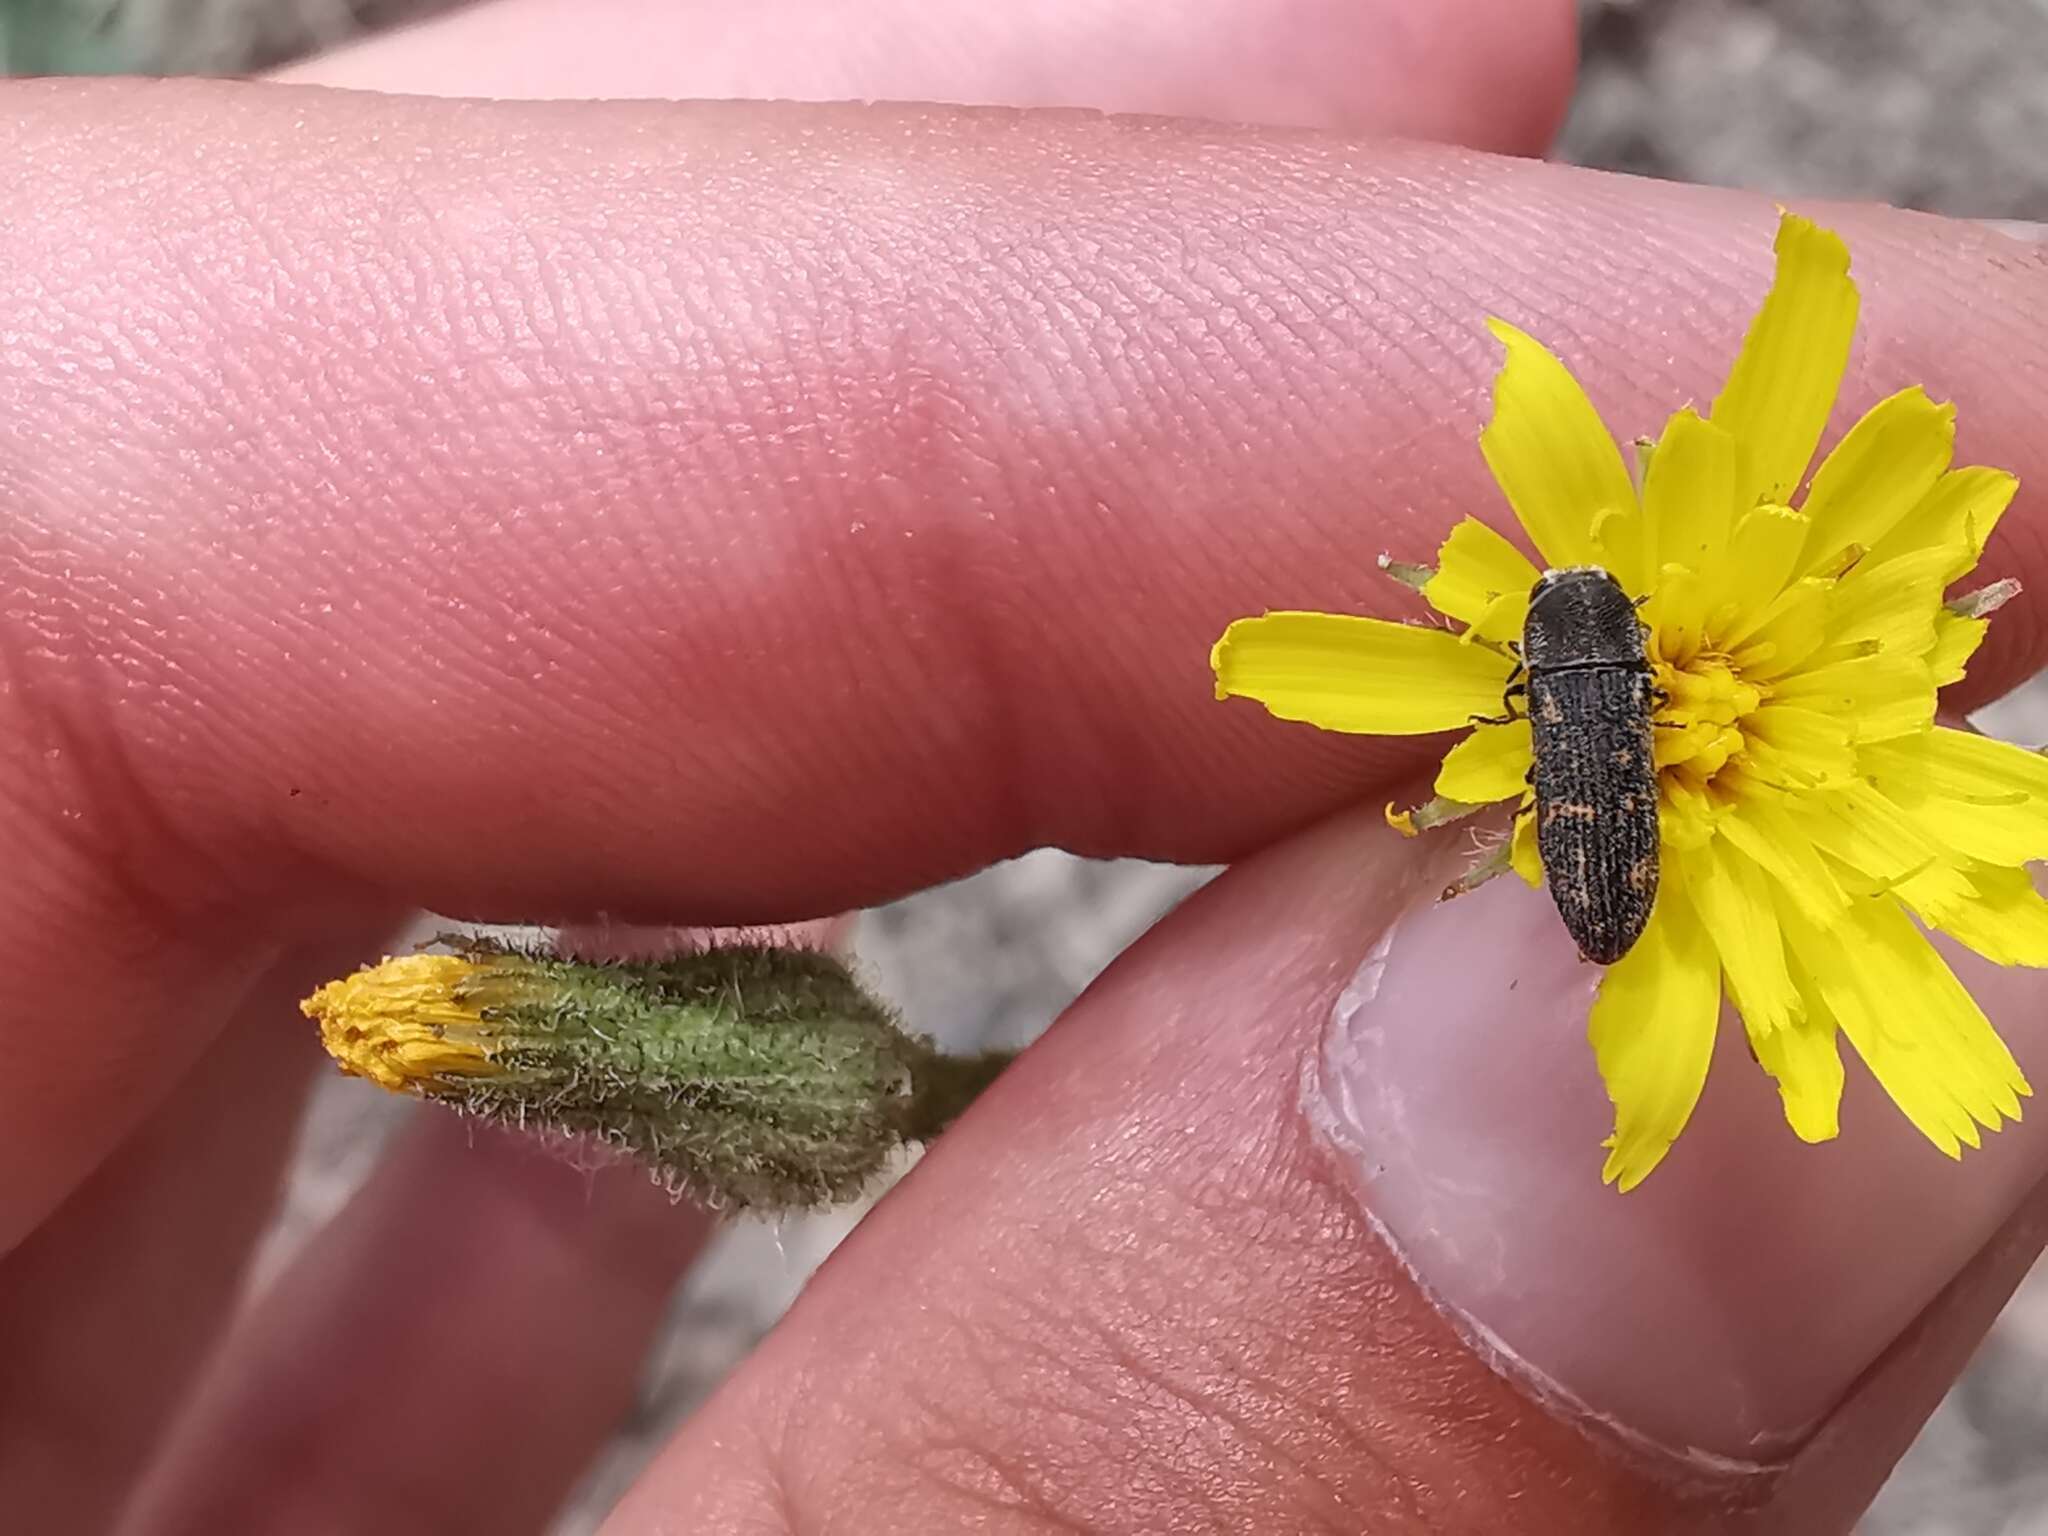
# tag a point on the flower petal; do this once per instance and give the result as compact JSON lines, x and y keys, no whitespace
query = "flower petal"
{"x":1966,"y":766}
{"x":1955,"y":642}
{"x":1732,"y":896}
{"x":1523,"y":851}
{"x":1888,"y":462}
{"x":1879,"y":696}
{"x":1490,"y":764}
{"x":2010,"y":835}
{"x":1984,"y":799}
{"x":1652,"y":1030}
{"x":1677,"y":615}
{"x":1916,"y":1027}
{"x":1796,"y":748}
{"x":1869,"y":834}
{"x":2004,"y":918}
{"x":1763,"y":553}
{"x":1689,"y":493}
{"x":1785,"y":634}
{"x":1686,"y":815}
{"x":1783,"y":385}
{"x":1806,"y":1063}
{"x":1890,"y":607}
{"x":1957,"y":514}
{"x":1767,"y":833}
{"x":1621,"y":542}
{"x":1366,"y":676}
{"x":1501,"y":620}
{"x":1554,"y":459}
{"x":1476,"y":568}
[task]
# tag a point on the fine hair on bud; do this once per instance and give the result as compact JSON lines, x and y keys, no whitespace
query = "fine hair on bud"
{"x":750,"y":1076}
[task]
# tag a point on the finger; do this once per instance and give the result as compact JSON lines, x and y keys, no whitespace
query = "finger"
{"x":734,"y":514}
{"x":781,"y":604}
{"x":108,"y":1311}
{"x":1295,"y":1223}
{"x":1494,"y":74}
{"x":480,"y":1307}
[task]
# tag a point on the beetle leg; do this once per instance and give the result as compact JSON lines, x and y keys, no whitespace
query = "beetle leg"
{"x":1509,"y":715}
{"x":1641,"y":623}
{"x":1659,"y":697}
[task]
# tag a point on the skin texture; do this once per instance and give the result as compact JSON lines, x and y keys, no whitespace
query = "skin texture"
{"x":737,"y":513}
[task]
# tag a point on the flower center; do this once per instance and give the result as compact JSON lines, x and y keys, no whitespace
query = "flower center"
{"x":1699,"y":726}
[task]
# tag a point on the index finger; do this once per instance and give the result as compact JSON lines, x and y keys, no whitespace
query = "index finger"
{"x":729,"y":513}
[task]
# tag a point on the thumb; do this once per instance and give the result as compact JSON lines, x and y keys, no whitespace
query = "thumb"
{"x":1296,"y":1223}
{"x":1725,"y":1308}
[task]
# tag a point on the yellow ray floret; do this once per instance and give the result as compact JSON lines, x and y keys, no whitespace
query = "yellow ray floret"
{"x":1814,"y":821}
{"x":1364,"y":676}
{"x":403,"y":1021}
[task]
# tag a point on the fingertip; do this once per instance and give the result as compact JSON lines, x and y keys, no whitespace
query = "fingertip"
{"x":1486,"y":74}
{"x":1513,"y":65}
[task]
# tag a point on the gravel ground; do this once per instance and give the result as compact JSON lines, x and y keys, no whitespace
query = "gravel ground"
{"x":1934,"y":106}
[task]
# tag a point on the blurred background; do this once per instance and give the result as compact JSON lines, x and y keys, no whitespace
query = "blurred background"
{"x":1941,"y":106}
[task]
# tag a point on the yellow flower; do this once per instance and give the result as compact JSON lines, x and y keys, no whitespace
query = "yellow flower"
{"x":1809,"y":808}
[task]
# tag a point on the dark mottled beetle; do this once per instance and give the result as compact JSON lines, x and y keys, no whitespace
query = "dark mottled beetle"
{"x":1590,"y":699}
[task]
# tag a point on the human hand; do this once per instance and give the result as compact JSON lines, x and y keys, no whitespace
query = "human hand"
{"x":742,"y":514}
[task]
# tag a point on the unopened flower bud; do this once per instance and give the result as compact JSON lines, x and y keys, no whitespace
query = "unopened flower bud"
{"x":749,"y":1075}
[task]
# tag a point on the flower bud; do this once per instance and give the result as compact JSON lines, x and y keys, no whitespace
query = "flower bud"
{"x":748,"y":1075}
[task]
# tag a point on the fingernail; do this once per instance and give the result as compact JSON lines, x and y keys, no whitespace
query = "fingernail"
{"x":1721,"y":1309}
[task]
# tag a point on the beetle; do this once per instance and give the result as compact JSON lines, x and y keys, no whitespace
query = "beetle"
{"x":1590,"y":699}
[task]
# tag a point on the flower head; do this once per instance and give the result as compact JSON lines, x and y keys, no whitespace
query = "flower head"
{"x":1812,"y":819}
{"x":748,"y":1074}
{"x":414,"y":1021}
